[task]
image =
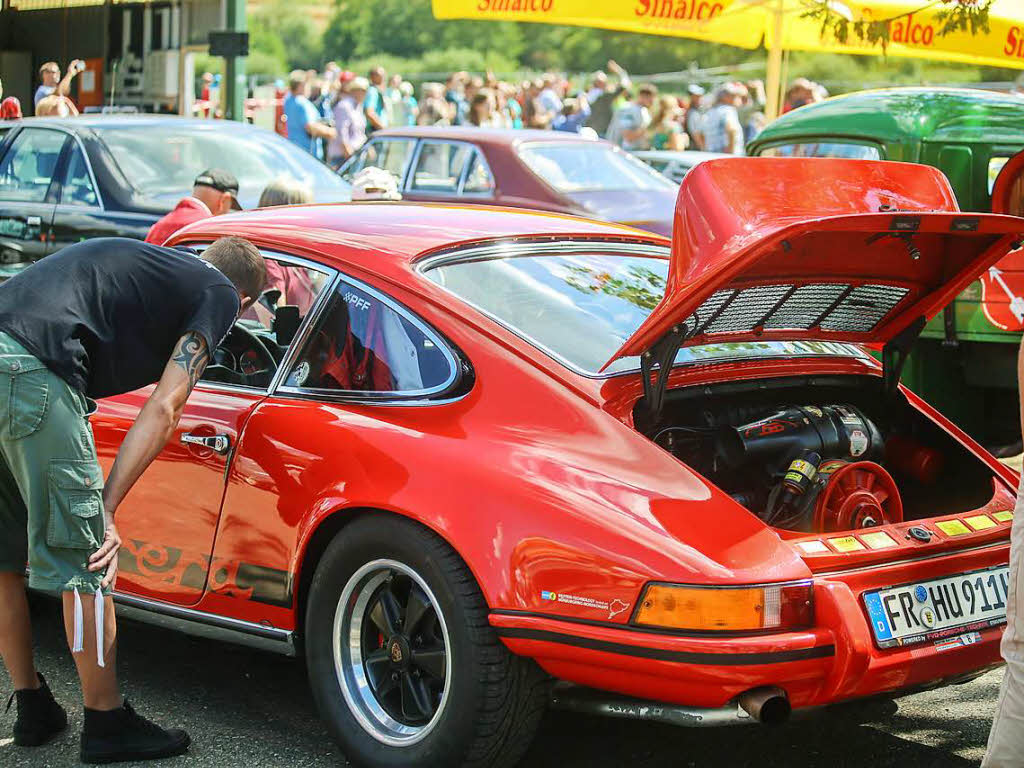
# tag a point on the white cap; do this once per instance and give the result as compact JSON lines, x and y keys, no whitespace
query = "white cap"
{"x":375,"y":184}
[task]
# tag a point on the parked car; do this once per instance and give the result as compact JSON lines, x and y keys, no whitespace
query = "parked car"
{"x":674,"y":165}
{"x":64,"y":180}
{"x":483,"y":450}
{"x":543,"y":170}
{"x":966,"y":362}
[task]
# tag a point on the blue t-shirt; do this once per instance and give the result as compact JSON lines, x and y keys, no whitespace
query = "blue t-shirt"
{"x":300,"y":112}
{"x":374,"y":102}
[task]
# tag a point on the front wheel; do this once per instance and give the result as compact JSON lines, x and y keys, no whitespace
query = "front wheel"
{"x":403,"y":664}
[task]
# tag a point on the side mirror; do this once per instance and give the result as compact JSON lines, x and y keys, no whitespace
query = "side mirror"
{"x":269,"y":298}
{"x":286,"y":324}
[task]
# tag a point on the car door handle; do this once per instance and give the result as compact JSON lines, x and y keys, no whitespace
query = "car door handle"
{"x":216,"y":443}
{"x":33,"y":221}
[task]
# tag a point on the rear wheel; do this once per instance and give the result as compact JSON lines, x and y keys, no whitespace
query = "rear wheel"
{"x":403,"y":664}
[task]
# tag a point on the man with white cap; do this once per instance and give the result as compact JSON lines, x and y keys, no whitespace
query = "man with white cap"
{"x":721,"y":128}
{"x":603,"y":95}
{"x":695,"y":116}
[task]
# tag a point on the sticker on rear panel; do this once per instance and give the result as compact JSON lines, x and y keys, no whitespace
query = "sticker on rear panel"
{"x":846,"y":544}
{"x":614,"y":608}
{"x":952,"y":528}
{"x":951,"y":643}
{"x":812,"y":547}
{"x":878,"y":540}
{"x":1003,"y":517}
{"x":980,"y":522}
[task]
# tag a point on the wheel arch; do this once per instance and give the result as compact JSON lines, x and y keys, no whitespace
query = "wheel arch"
{"x":327,"y":527}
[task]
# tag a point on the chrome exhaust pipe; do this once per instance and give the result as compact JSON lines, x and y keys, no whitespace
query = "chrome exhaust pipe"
{"x":768,"y":705}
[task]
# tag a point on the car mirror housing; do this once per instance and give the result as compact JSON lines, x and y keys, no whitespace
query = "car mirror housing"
{"x":286,"y":324}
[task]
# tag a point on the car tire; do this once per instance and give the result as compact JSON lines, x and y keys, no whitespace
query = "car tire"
{"x":384,"y":698}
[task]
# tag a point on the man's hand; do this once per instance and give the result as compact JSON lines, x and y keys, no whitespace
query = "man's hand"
{"x":613,"y":66}
{"x":105,"y":558}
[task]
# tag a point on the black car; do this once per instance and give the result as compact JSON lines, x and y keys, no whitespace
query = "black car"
{"x":65,"y":180}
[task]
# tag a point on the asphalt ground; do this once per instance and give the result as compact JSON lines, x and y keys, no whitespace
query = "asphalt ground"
{"x":249,"y":708}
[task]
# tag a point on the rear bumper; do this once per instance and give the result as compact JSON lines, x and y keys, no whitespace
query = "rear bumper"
{"x":831,"y":662}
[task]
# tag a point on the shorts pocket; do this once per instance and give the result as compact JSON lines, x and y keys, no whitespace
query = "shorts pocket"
{"x":76,"y":504}
{"x":29,"y":394}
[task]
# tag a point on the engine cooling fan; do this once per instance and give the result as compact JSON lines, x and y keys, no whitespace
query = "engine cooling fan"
{"x":859,"y":494}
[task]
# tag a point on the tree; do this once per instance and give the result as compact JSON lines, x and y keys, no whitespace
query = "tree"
{"x":954,"y":16}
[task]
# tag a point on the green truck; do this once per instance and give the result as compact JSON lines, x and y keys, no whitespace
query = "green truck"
{"x":965,"y":360}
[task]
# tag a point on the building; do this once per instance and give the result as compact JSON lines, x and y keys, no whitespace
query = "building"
{"x":137,"y":54}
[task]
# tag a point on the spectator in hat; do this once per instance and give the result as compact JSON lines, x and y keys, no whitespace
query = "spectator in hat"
{"x":214,"y":192}
{"x":722,"y":129}
{"x":695,"y":116}
{"x":349,"y":122}
{"x":602,"y":97}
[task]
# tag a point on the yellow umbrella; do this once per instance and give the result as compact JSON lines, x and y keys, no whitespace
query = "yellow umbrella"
{"x":779,"y":23}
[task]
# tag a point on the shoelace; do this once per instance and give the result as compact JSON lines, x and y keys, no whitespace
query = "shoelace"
{"x":140,"y":722}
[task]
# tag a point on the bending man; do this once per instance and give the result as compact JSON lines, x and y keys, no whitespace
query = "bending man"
{"x":98,"y":318}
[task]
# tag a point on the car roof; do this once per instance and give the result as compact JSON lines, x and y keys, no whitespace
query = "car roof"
{"x":101,"y":121}
{"x":503,"y":136}
{"x":387,"y":237}
{"x":907,"y":114}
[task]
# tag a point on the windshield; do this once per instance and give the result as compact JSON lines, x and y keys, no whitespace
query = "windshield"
{"x":581,"y":307}
{"x":163,"y":159}
{"x":587,"y":167}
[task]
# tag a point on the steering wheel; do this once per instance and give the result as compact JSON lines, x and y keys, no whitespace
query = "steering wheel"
{"x":241,"y":359}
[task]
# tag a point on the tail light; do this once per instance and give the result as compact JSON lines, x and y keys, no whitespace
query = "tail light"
{"x":727,"y":609}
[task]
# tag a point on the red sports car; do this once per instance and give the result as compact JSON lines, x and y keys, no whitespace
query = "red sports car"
{"x":543,"y":170}
{"x":475,"y":461}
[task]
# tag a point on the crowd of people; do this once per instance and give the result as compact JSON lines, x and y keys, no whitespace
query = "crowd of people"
{"x":331,"y":113}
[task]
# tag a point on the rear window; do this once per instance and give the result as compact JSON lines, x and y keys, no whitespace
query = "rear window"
{"x":580,"y":307}
{"x":847,"y":150}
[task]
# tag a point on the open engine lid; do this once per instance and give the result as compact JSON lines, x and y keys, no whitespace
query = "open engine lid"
{"x":788,"y":249}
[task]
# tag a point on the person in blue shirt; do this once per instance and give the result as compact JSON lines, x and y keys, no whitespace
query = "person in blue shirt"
{"x":574,"y":114}
{"x":373,"y":104}
{"x":302,"y":119}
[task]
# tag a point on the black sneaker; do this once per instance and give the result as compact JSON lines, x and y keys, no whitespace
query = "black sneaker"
{"x":40,"y":717}
{"x":121,"y":735}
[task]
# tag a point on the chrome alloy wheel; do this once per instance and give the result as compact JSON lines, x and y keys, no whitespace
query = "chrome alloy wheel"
{"x":392,"y":653}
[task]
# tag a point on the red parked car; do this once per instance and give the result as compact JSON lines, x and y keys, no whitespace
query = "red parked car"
{"x":544,"y":170}
{"x":476,"y":451}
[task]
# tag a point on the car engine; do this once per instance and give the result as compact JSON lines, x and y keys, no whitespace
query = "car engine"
{"x":811,"y":468}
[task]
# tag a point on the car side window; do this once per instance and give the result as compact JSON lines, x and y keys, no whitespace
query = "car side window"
{"x":439,"y":167}
{"x":479,"y":180}
{"x":363,"y":344}
{"x":251,"y":353}
{"x":27,"y":168}
{"x":78,"y":188}
{"x":390,"y":154}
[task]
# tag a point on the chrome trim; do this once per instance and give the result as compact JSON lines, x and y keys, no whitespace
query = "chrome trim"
{"x":201,"y":624}
{"x":907,"y":560}
{"x":530,"y":246}
{"x":420,"y":396}
{"x":310,"y":321}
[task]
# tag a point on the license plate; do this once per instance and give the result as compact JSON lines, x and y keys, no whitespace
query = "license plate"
{"x":940,"y":608}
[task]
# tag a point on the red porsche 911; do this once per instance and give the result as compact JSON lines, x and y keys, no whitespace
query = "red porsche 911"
{"x":475,"y":461}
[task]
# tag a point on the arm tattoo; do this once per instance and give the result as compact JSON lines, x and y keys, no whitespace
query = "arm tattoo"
{"x":192,"y":355}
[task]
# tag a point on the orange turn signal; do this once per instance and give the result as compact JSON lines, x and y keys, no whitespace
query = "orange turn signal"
{"x":727,"y":609}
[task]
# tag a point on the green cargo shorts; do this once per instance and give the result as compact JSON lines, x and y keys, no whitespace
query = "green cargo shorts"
{"x":51,"y":501}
